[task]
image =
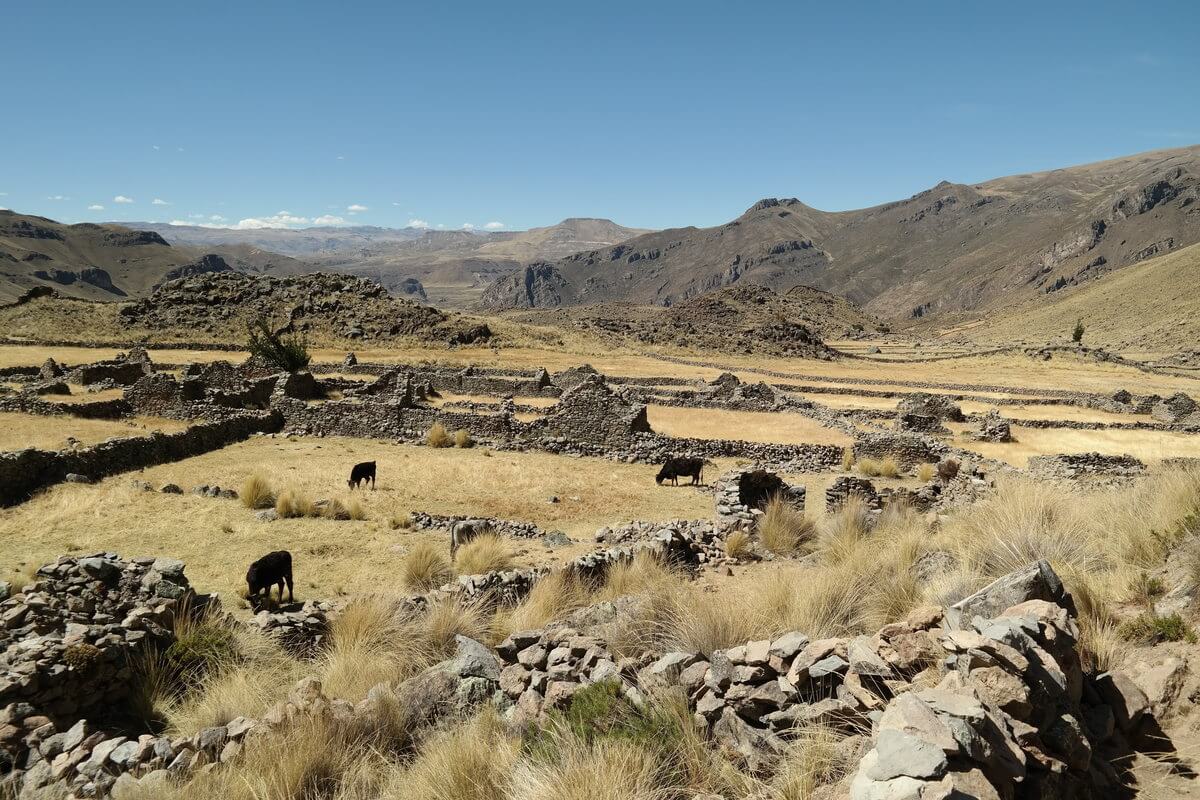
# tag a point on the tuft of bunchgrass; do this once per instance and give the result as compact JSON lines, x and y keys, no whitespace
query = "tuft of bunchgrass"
{"x":869,"y":467}
{"x":738,"y":544}
{"x":889,"y":468}
{"x":462,"y":438}
{"x":926,"y":472}
{"x":438,"y":436}
{"x":355,"y":509}
{"x":783,"y":528}
{"x":847,"y":459}
{"x":256,"y":492}
{"x":467,"y":762}
{"x":487,"y":552}
{"x":427,"y":566}
{"x":552,"y":597}
{"x":292,"y":504}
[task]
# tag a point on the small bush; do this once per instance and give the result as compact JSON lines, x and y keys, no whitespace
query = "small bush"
{"x":925,"y":472}
{"x":487,"y":552}
{"x":783,"y":528}
{"x":82,"y":656}
{"x":438,"y":437}
{"x":1077,"y":333}
{"x":1150,"y":628}
{"x":737,"y":544}
{"x":289,"y":354}
{"x":889,"y":468}
{"x":847,"y":459}
{"x":462,"y":438}
{"x":401,"y":522}
{"x":256,"y":492}
{"x":199,"y":648}
{"x":426,"y":567}
{"x":355,"y":509}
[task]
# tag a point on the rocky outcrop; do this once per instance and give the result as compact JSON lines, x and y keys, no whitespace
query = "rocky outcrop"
{"x":992,"y":427}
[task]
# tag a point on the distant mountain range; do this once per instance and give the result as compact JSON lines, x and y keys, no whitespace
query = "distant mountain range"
{"x":952,"y":248}
{"x":1041,"y":246}
{"x":452,"y":266}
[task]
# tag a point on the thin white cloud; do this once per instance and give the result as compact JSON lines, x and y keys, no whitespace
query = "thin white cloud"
{"x":283,"y":219}
{"x":341,"y":158}
{"x":122,"y":199}
{"x":95,"y":207}
{"x":494,"y":226}
{"x":57,"y":197}
{"x":466,"y":226}
{"x":418,"y":223}
{"x":158,"y":201}
{"x":3,"y":194}
{"x":329,"y":219}
{"x":354,"y":208}
{"x":156,"y":147}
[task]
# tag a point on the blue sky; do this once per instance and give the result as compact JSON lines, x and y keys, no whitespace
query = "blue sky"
{"x":654,"y":114}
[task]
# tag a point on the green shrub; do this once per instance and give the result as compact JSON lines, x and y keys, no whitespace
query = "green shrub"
{"x":82,"y":656}
{"x":596,"y":712}
{"x":1077,"y":334}
{"x":1150,"y":628}
{"x":288,"y":354}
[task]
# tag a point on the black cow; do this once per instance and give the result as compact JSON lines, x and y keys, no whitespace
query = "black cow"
{"x":273,"y":569}
{"x":680,"y":467}
{"x":362,"y":472}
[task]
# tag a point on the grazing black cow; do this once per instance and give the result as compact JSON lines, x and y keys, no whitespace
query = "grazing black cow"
{"x":362,"y":472}
{"x":680,"y":467}
{"x":273,"y":569}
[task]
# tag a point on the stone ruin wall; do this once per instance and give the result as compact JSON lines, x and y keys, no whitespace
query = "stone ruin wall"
{"x":24,"y":471}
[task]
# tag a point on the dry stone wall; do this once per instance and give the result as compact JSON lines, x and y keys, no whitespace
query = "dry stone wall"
{"x":25,"y":471}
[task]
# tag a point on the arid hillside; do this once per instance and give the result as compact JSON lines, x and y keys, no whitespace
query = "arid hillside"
{"x":952,"y":248}
{"x":743,"y":318}
{"x":1154,"y":305}
{"x":96,"y":262}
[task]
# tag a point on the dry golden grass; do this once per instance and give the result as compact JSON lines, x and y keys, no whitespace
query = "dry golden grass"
{"x":553,"y":597}
{"x":331,"y":558}
{"x":605,"y":770}
{"x":1149,"y":446}
{"x":462,"y":438}
{"x":783,"y":528}
{"x":487,"y":552}
{"x":738,"y":544}
{"x":926,"y":472}
{"x":438,"y":436}
{"x":469,"y":762}
{"x":292,"y":504}
{"x":256,"y":492}
{"x":19,"y":431}
{"x":813,"y":760}
{"x":750,"y":426}
{"x":868,"y":466}
{"x":425,"y":567}
{"x":889,"y":468}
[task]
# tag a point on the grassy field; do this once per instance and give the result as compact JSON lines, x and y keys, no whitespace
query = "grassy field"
{"x":18,"y":431}
{"x":750,"y":426}
{"x":1149,"y":446}
{"x":219,"y":538}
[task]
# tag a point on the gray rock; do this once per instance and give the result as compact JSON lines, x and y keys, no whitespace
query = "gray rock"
{"x":75,"y":477}
{"x":171,"y":488}
{"x":899,"y":754}
{"x":1036,"y":582}
{"x":474,"y":660}
{"x":1128,"y":703}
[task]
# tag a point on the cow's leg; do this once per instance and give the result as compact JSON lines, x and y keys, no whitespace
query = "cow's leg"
{"x":372,"y":481}
{"x":287,"y":576}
